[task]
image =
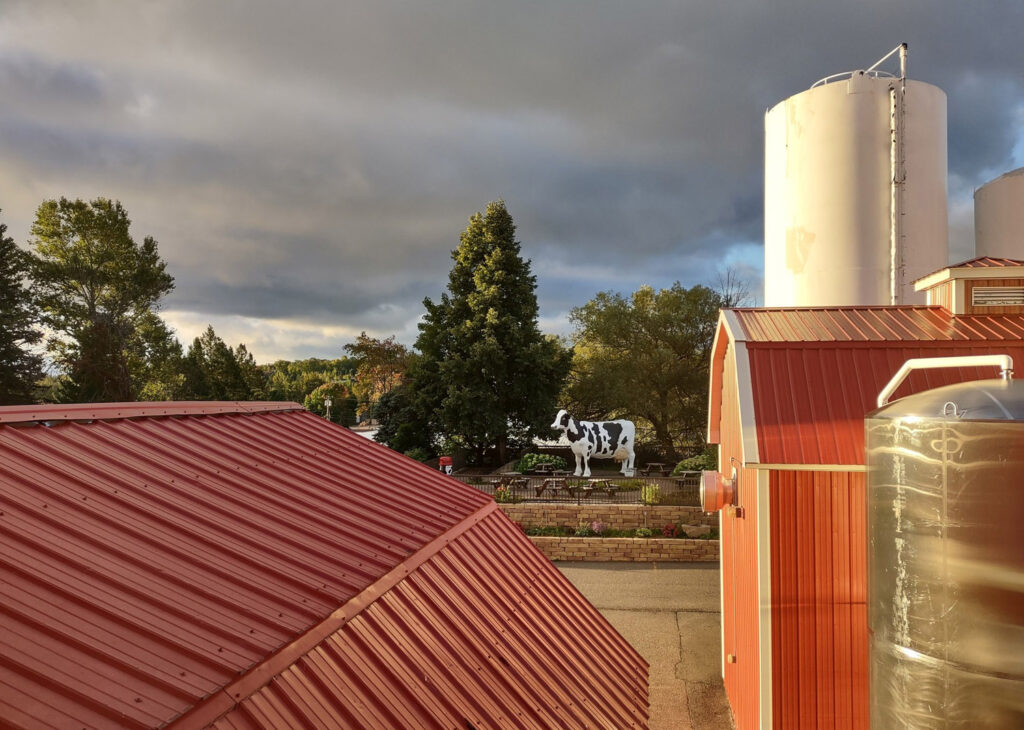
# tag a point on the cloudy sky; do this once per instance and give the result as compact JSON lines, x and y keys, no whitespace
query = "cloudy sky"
{"x":307,"y":167}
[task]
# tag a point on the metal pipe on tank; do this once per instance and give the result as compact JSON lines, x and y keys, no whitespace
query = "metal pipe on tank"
{"x":898,"y":172}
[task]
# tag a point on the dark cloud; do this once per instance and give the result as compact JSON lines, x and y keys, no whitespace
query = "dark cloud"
{"x":315,"y":163}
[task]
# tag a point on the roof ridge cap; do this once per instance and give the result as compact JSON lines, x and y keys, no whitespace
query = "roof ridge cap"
{"x":50,"y":412}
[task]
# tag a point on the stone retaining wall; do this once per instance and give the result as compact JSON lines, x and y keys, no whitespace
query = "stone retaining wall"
{"x":615,"y":516}
{"x":628,"y":549}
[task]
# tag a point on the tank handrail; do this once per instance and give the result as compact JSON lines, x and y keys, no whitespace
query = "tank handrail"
{"x":1003,"y":362}
{"x":849,"y":74}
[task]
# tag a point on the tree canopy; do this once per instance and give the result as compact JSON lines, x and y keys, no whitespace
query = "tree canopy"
{"x":214,"y":371}
{"x":343,"y":403}
{"x":645,"y":357}
{"x":20,"y":367}
{"x":487,"y":376}
{"x":382,"y":366}
{"x":99,"y":291}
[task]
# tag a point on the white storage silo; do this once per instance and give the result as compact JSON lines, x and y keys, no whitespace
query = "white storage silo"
{"x":838,"y":230}
{"x":999,"y":217}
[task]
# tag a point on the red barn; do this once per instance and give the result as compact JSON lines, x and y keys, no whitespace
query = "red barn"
{"x":249,"y":565}
{"x":789,"y":389}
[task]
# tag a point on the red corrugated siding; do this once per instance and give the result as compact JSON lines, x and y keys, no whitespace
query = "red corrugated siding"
{"x":819,"y":620}
{"x":144,"y":563}
{"x":739,"y":565}
{"x":484,"y":634}
{"x":810,"y":399}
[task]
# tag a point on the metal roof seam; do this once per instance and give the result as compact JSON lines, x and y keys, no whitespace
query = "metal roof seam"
{"x":261,"y":673}
{"x":212,"y":481}
{"x":306,"y":480}
{"x":470,"y":583}
{"x":154,"y":540}
{"x":382,"y":459}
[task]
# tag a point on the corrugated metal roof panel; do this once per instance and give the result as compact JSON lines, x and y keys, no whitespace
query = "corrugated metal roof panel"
{"x":873,"y":324}
{"x":810,"y":399}
{"x":987,"y":262}
{"x":483,"y":634}
{"x":145,"y":562}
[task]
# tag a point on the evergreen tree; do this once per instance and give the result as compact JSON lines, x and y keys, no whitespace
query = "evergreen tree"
{"x":487,"y":376}
{"x":20,"y":368}
{"x":99,"y":291}
{"x":213,"y":371}
{"x":402,"y":425}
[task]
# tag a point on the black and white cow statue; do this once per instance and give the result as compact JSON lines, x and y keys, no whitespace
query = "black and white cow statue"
{"x":600,"y":440}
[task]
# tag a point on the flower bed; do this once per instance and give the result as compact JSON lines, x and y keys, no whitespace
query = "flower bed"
{"x":617,"y":516}
{"x":595,"y":541}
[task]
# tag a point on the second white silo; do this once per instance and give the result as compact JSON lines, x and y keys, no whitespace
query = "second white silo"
{"x":999,"y":217}
{"x":855,"y":192}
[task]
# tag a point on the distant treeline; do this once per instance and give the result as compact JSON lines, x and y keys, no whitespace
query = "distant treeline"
{"x":482,"y":378}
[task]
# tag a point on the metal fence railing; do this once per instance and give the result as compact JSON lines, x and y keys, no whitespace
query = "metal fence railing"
{"x":681,"y":490}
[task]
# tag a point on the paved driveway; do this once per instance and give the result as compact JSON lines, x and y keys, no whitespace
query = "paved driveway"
{"x":671,"y":613}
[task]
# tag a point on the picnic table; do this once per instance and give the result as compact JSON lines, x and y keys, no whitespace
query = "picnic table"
{"x":511,"y":479}
{"x":552,"y":483}
{"x":604,"y":485}
{"x":655,"y":466}
{"x":544,"y":468}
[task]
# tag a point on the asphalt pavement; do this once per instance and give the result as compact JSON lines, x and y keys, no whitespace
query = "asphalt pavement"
{"x":670,"y":612}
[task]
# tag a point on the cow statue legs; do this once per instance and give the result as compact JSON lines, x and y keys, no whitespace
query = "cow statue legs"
{"x":582,"y":465}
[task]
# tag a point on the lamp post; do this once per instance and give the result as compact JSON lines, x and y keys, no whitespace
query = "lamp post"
{"x":327,"y":402}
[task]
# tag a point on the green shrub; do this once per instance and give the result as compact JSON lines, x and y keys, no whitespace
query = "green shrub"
{"x":643,"y":532}
{"x":418,"y":453}
{"x":549,"y":531}
{"x":628,"y":485}
{"x":529,"y":462}
{"x":707,"y":461}
{"x":650,"y":494}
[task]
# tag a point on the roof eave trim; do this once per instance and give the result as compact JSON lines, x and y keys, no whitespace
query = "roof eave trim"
{"x":259,"y":675}
{"x":745,"y":400}
{"x":968,"y":272}
{"x":730,"y":330}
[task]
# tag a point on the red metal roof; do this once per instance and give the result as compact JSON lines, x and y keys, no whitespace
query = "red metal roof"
{"x":987,"y":262}
{"x":417,"y":658}
{"x":814,"y":373}
{"x":146,"y":563}
{"x":872,"y":324}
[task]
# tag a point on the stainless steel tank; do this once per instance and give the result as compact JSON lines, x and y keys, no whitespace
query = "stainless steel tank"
{"x":945,"y":521}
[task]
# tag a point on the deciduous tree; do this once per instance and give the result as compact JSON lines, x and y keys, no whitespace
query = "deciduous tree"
{"x":343,"y":403}
{"x":645,"y":357}
{"x":99,"y":291}
{"x":382,"y":366}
